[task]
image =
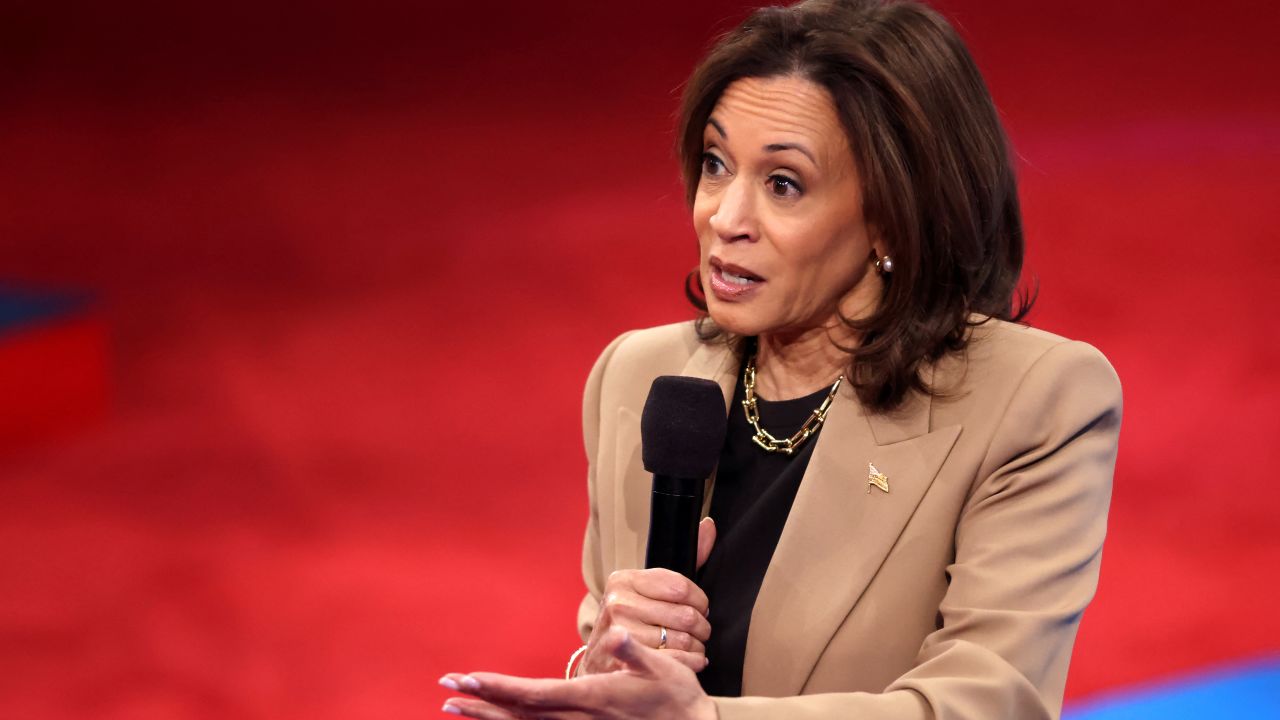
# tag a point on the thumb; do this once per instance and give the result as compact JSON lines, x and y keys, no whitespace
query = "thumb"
{"x":619,"y":643}
{"x":706,"y":538}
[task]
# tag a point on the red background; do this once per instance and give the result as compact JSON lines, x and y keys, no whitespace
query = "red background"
{"x":356,"y":260}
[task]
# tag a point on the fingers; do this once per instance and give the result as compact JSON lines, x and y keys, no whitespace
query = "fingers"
{"x":468,"y":707}
{"x":686,"y":628}
{"x":510,"y":693}
{"x":645,"y":601}
{"x":696,"y":662}
{"x":689,"y":651}
{"x":664,"y":585}
{"x":676,"y":639}
{"x":706,"y":539}
{"x":651,"y":636}
{"x":634,"y":655}
{"x":641,"y":688}
{"x":471,"y":707}
{"x":634,"y":600}
{"x":638,"y":657}
{"x":595,"y":662}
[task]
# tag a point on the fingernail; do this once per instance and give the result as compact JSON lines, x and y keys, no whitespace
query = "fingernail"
{"x":625,"y":639}
{"x":448,"y":682}
{"x":451,"y":709}
{"x":470,"y":684}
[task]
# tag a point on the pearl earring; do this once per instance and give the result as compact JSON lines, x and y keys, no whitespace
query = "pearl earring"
{"x":884,"y":265}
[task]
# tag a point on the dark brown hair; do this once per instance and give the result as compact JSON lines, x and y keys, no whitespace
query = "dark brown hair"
{"x":937,"y":182}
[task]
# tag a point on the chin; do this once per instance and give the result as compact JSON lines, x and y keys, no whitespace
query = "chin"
{"x":735,"y":319}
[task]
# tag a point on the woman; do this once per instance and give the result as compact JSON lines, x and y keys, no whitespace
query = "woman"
{"x":911,"y":502}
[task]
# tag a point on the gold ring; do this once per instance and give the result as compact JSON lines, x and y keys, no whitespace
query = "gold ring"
{"x":662,"y":638}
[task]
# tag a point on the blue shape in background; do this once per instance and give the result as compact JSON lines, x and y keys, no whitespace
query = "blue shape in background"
{"x":21,"y":307}
{"x":1251,"y":691}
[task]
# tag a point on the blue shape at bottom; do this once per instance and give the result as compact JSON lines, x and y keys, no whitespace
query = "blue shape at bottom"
{"x":1251,"y":691}
{"x":21,"y":307}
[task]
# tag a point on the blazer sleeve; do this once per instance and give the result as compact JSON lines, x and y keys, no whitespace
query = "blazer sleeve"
{"x":592,"y":564}
{"x":1028,"y":547}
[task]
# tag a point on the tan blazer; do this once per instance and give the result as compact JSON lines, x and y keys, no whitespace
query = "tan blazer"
{"x":957,"y":594}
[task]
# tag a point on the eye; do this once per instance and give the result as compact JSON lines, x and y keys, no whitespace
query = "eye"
{"x":783,"y":186}
{"x":712,"y":165}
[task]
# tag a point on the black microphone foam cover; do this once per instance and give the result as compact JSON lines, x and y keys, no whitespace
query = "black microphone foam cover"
{"x":682,"y":428}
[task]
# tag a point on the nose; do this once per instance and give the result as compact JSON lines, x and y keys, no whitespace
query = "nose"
{"x":734,"y":217}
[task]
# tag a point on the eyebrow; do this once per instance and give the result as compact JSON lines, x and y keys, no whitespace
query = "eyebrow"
{"x":779,"y":147}
{"x":770,"y":148}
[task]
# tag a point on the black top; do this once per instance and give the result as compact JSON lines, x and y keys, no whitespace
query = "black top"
{"x":753,"y":493}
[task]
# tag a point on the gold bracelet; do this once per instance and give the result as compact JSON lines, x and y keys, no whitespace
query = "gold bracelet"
{"x":570,"y":670}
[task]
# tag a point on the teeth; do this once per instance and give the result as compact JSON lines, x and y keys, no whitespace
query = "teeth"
{"x":736,"y":279}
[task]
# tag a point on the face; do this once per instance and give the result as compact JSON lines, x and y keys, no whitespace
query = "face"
{"x":778,"y":212}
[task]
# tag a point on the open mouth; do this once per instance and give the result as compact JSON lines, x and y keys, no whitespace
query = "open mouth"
{"x":732,"y":283}
{"x":737,"y":279}
{"x":735,"y":274}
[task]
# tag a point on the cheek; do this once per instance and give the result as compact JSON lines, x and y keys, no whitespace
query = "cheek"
{"x":810,"y":249}
{"x":824,"y":265}
{"x":702,"y":212}
{"x":838,"y":268}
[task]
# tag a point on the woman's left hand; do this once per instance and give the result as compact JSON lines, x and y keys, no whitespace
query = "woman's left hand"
{"x":649,"y":685}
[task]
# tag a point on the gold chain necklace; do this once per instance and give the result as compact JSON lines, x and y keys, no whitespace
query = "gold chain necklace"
{"x":762,"y":436}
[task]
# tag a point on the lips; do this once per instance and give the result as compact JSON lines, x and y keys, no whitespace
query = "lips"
{"x":735,"y":273}
{"x":731,"y":282}
{"x":737,"y":279}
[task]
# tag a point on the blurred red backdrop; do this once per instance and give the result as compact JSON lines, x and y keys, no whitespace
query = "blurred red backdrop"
{"x":356,"y":259}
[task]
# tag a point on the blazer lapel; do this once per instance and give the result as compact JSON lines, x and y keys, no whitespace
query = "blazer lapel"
{"x":710,"y":361}
{"x":715,"y":361}
{"x":838,"y":534}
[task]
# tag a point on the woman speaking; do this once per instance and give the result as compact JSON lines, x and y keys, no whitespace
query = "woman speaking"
{"x":907,"y":516}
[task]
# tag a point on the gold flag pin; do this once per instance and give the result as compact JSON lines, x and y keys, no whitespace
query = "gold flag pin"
{"x":877,"y":478}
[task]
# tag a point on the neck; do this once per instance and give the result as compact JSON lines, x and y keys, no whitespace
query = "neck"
{"x":795,"y":363}
{"x":792,"y":365}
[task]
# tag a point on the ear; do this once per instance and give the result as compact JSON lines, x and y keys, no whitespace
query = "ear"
{"x":879,"y":248}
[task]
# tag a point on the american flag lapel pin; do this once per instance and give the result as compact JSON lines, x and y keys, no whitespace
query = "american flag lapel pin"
{"x":877,"y":478}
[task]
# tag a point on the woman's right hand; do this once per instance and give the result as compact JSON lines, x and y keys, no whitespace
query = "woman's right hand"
{"x":645,"y":601}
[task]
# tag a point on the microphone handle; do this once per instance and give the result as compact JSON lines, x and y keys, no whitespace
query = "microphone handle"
{"x":674,"y":512}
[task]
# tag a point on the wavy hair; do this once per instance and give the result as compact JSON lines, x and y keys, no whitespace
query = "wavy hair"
{"x":938,"y":183}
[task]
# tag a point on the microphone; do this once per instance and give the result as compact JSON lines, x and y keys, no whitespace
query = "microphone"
{"x":682,"y":432}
